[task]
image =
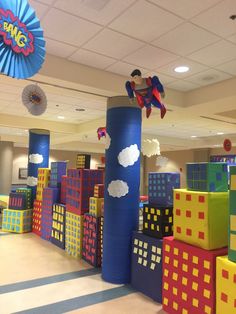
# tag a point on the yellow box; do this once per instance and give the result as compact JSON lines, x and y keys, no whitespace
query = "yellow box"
{"x":43,"y":181}
{"x":74,"y":234}
{"x":201,"y":218}
{"x":18,"y":221}
{"x":225,"y":286}
{"x":95,"y":206}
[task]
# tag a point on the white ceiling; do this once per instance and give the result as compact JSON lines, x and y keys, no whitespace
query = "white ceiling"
{"x":108,"y":35}
{"x":154,"y":35}
{"x":61,"y":102}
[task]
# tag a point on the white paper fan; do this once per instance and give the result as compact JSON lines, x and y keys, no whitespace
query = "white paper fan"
{"x":34,"y":99}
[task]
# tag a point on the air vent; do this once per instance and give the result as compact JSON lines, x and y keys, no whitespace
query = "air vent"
{"x":208,"y":78}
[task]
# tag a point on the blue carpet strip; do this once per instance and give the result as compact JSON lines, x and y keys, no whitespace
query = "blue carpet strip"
{"x":48,"y":280}
{"x":80,"y":302}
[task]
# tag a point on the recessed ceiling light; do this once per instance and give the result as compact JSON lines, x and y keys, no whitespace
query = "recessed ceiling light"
{"x":182,"y":69}
{"x":79,"y":109}
{"x":61,"y":117}
{"x":193,"y":136}
{"x":220,"y":133}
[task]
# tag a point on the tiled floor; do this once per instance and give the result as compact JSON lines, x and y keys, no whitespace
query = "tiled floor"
{"x":37,"y":277}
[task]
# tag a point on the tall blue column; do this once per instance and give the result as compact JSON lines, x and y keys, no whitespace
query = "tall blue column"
{"x":38,"y":157}
{"x":122,"y":180}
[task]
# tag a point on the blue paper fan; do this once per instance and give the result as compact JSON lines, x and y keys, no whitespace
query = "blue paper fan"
{"x":34,"y":99}
{"x":22,"y":46}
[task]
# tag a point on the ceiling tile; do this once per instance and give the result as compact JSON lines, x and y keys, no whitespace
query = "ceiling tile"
{"x":48,"y":2}
{"x":5,"y":88}
{"x":208,"y":77}
{"x":123,"y":68}
{"x":113,"y":44}
{"x":59,"y":49}
{"x":228,"y":67}
{"x":99,"y":11}
{"x":232,"y":38}
{"x":215,"y":54}
{"x":182,"y":86}
{"x":185,"y":39}
{"x":92,"y":59}
{"x":73,"y":30}
{"x":8,"y":96}
{"x":185,"y":8}
{"x":150,"y":57}
{"x":145,"y":21}
{"x":39,"y":8}
{"x":217,"y":18}
{"x":163,"y":78}
{"x":193,"y":66}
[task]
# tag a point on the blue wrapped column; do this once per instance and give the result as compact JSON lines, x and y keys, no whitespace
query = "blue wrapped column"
{"x":122,"y":181}
{"x":38,"y":157}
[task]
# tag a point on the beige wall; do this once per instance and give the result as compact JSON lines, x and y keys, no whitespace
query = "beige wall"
{"x":221,"y":151}
{"x":176,"y":160}
{"x":20,"y":160}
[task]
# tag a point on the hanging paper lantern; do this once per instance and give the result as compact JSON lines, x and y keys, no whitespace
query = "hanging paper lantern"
{"x":22,"y":46}
{"x":150,"y":147}
{"x":161,"y":161}
{"x":34,"y":99}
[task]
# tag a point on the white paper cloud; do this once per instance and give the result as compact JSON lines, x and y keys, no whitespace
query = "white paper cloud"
{"x":118,"y":188}
{"x":161,"y":161}
{"x":108,"y":141}
{"x":36,"y":158}
{"x":32,"y":181}
{"x":150,"y":147}
{"x":129,"y":155}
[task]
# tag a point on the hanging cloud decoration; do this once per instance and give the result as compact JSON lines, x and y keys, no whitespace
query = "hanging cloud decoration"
{"x":161,"y":161}
{"x":34,"y":99}
{"x":32,"y":181}
{"x":150,"y":147}
{"x":35,"y":158}
{"x":129,"y":155}
{"x":118,"y":188}
{"x":108,"y":141}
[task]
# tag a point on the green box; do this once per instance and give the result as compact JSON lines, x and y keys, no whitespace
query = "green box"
{"x":207,"y":177}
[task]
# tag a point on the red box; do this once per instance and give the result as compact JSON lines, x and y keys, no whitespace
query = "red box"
{"x":189,"y":278}
{"x":80,"y":186}
{"x":37,"y":217}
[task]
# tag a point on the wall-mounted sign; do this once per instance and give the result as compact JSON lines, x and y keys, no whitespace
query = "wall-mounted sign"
{"x":22,"y":46}
{"x":227,"y":145}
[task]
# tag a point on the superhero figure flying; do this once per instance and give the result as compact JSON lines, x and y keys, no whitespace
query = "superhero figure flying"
{"x":148,"y":92}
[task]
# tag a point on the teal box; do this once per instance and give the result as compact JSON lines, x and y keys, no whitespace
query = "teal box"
{"x":232,"y":215}
{"x":207,"y":177}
